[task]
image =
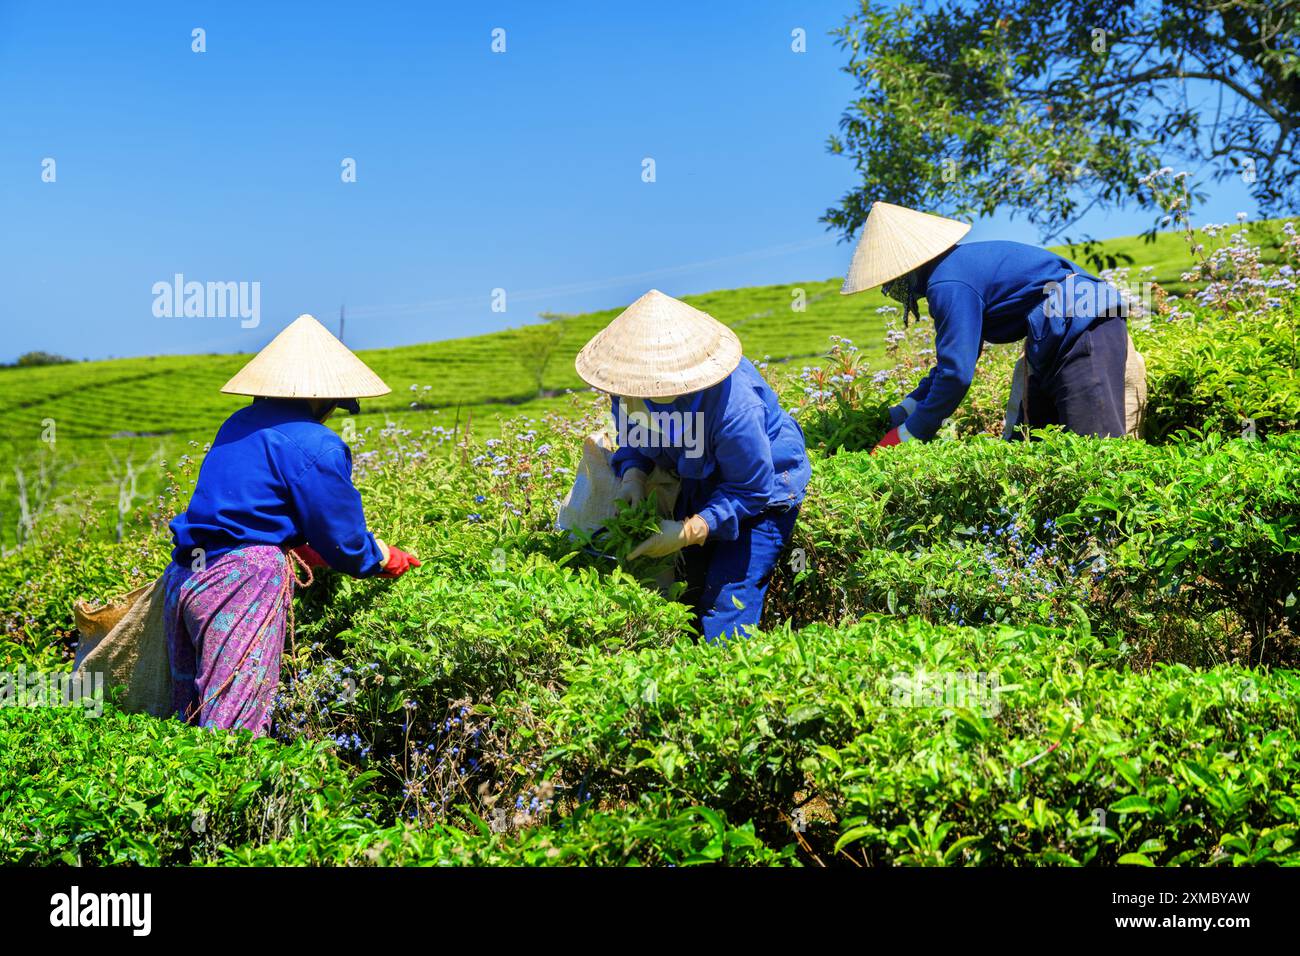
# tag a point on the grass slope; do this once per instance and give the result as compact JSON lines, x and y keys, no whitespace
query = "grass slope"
{"x":108,"y":412}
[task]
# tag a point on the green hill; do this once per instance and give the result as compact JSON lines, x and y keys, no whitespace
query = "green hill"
{"x":106,"y":413}
{"x":180,"y":394}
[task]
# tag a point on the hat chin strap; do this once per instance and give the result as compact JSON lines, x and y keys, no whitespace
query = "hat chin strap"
{"x":349,"y":405}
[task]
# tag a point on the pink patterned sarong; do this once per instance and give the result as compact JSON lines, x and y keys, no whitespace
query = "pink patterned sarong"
{"x":225,"y":634}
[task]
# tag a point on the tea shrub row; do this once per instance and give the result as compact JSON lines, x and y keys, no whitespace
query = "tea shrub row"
{"x":1190,"y":549}
{"x":123,"y":789}
{"x":119,"y":788}
{"x":906,"y":742}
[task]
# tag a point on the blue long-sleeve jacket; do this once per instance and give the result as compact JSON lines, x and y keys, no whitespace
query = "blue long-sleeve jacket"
{"x":751,"y":453}
{"x":277,"y":476}
{"x":999,"y":292}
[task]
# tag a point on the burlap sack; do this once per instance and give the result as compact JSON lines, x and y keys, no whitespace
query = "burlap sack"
{"x":126,"y":642}
{"x":1135,"y":391}
{"x":1135,"y":394}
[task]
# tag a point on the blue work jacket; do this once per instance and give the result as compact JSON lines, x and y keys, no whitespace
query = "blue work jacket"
{"x":745,"y":454}
{"x":277,"y":476}
{"x":1000,"y":292}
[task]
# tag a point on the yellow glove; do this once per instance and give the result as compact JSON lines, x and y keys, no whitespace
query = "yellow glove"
{"x":632,"y":489}
{"x":672,"y":537}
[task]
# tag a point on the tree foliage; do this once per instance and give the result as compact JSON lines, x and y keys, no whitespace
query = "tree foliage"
{"x":534,"y":346}
{"x":31,"y":359}
{"x":1051,"y":109}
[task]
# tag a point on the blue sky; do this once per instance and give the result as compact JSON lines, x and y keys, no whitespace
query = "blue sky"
{"x":475,"y":170}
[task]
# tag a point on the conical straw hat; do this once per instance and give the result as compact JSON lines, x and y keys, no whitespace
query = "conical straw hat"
{"x":659,"y":347}
{"x":306,"y":361}
{"x":895,"y":241}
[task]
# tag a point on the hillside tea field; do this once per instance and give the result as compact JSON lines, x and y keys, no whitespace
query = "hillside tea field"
{"x":86,"y":433}
{"x":1067,"y":651}
{"x":90,"y":445}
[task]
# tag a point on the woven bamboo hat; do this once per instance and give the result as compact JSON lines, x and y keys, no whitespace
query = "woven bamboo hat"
{"x":895,"y":241}
{"x":306,"y":361}
{"x":659,"y":347}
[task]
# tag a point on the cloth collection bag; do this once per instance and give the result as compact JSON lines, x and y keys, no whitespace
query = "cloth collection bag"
{"x":590,"y":502}
{"x":125,"y":641}
{"x":1135,"y":393}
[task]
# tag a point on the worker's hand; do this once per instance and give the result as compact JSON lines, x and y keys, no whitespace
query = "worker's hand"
{"x":895,"y":436}
{"x":310,"y":557}
{"x":632,"y":488}
{"x":672,"y":537}
{"x":398,"y":563}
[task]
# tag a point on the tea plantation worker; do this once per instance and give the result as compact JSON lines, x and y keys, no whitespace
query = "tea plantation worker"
{"x":276,"y":479}
{"x":684,"y":400}
{"x":1073,"y":324}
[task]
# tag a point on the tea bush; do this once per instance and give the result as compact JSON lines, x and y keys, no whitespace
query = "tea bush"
{"x":861,"y":728}
{"x":1168,"y":767}
{"x":121,"y":789}
{"x":80,"y":790}
{"x":1211,"y":373}
{"x":39,"y":584}
{"x":1191,"y":550}
{"x":1206,"y":372}
{"x":690,"y":838}
{"x":476,"y":619}
{"x":1221,"y":519}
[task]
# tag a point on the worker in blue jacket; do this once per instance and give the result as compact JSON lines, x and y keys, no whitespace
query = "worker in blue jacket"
{"x":276,"y":480}
{"x":1073,"y":324}
{"x":276,"y":476}
{"x":685,"y":401}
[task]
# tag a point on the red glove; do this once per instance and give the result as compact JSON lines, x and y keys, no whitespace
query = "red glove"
{"x":399,"y":562}
{"x":310,"y":557}
{"x":891,"y":438}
